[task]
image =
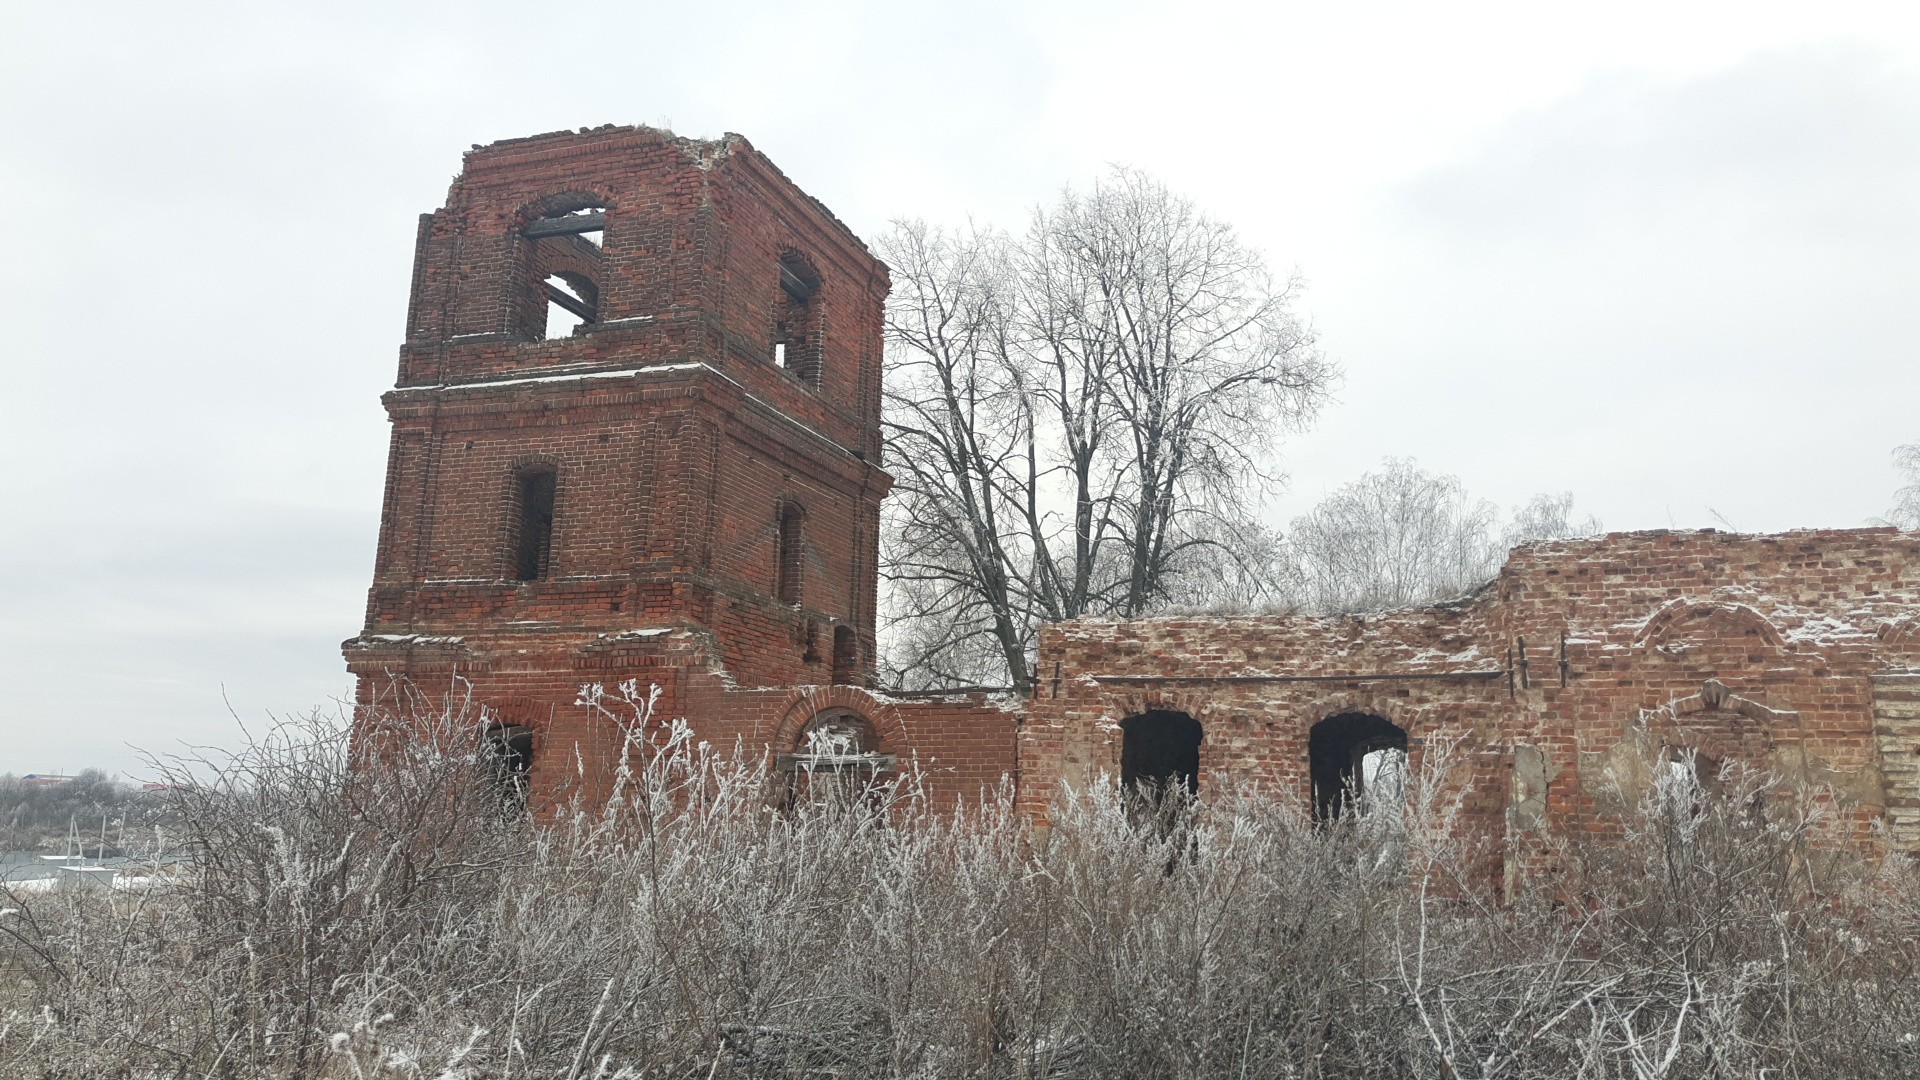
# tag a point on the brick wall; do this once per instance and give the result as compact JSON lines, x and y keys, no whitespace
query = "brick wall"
{"x":677,"y":443}
{"x":1559,"y":687}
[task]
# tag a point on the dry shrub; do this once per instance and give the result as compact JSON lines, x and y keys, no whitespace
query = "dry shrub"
{"x":379,"y":910}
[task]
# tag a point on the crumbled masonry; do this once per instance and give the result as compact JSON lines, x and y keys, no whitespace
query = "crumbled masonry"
{"x":711,"y":431}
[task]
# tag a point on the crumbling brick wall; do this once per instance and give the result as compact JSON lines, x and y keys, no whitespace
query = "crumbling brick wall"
{"x":682,"y":451}
{"x":712,"y":432}
{"x":1560,"y":686}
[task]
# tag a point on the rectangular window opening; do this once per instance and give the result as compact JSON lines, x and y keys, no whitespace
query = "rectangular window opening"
{"x":534,"y":529}
{"x":565,"y":255}
{"x":796,"y":320}
{"x":571,"y":304}
{"x":789,"y":553}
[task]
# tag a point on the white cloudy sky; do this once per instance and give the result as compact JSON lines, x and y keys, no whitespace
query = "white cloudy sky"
{"x":1662,"y":254}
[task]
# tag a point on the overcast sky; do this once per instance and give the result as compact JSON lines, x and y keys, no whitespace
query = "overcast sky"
{"x":1664,"y":255}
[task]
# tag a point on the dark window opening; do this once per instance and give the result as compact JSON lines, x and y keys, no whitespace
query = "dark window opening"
{"x":1357,"y":761}
{"x":564,"y":271}
{"x":532,"y":546}
{"x":789,"y":552}
{"x":796,"y":320}
{"x":846,"y":655}
{"x":1160,"y":755}
{"x":509,"y":756}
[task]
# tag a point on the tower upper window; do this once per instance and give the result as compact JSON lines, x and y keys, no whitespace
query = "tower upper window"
{"x":531,"y":543}
{"x":796,"y":319}
{"x":564,"y":253}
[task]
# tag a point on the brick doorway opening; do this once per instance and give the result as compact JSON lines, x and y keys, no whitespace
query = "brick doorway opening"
{"x":1160,"y":754}
{"x":1356,"y":760}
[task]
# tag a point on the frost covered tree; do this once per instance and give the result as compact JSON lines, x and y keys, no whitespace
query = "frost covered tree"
{"x":1549,"y":517}
{"x":1906,"y":501}
{"x":1402,"y":536}
{"x":1395,"y":537}
{"x":1080,"y":420}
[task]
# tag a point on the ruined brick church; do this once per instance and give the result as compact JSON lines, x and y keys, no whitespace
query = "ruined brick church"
{"x":636,"y":435}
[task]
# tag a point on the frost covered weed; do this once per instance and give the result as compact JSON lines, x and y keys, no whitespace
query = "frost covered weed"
{"x":374,"y":908}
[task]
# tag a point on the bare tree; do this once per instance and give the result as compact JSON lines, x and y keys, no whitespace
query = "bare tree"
{"x":960,"y":545}
{"x":1078,"y":417}
{"x":1402,"y":536}
{"x":1549,"y":517}
{"x":1395,"y":537}
{"x":1906,"y":501}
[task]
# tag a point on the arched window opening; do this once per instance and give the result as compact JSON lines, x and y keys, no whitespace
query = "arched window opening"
{"x":836,"y":734}
{"x":846,"y":655}
{"x":509,"y":757}
{"x":837,"y":759}
{"x":796,"y":319}
{"x":1160,"y":755}
{"x":530,"y":545}
{"x":1358,"y":762}
{"x":564,"y":265}
{"x":789,"y":552}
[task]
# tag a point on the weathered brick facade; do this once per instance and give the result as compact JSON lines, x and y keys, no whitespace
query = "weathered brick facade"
{"x":1565,"y":682}
{"x":681,"y":491}
{"x":684,"y":492}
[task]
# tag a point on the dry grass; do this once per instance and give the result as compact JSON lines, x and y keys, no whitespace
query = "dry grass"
{"x":341,"y":920}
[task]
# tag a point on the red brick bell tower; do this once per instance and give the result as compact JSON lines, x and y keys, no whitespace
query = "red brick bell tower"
{"x":635,"y":435}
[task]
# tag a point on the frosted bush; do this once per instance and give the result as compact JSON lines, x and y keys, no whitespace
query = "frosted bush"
{"x":372,"y":907}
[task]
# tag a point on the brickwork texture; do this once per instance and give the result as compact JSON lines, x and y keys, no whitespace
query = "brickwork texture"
{"x":683,"y":491}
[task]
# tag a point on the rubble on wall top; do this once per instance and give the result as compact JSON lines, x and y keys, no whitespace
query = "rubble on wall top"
{"x":1674,"y":537}
{"x":702,"y":154}
{"x":697,"y":150}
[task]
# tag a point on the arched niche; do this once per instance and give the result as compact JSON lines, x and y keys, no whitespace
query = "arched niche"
{"x":1686,"y":624}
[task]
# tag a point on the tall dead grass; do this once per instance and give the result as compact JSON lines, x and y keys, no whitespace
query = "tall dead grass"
{"x":377,"y":909}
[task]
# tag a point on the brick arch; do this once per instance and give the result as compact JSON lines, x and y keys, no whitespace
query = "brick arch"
{"x":1721,"y":725}
{"x":1410,"y":718}
{"x":1715,"y":697}
{"x":526,"y":300}
{"x":1123,"y":705}
{"x":804,"y":703}
{"x":1673,"y":617}
{"x":1196,"y":703}
{"x":792,"y":254}
{"x":1422,"y":721}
